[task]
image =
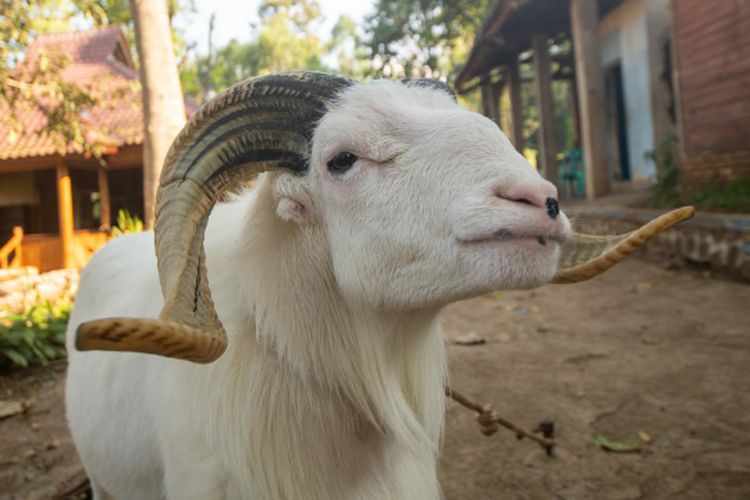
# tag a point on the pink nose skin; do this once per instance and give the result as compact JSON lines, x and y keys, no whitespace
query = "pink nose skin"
{"x":537,"y":194}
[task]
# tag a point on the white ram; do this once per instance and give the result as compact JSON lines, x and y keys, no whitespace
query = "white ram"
{"x":385,"y":202}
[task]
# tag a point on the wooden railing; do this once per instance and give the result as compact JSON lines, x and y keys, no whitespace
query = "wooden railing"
{"x":12,"y":246}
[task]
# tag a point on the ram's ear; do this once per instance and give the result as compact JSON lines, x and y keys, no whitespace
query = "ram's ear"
{"x":293,"y":202}
{"x":586,"y":256}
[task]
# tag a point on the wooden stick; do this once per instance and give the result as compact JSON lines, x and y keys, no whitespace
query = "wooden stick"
{"x":490,"y":421}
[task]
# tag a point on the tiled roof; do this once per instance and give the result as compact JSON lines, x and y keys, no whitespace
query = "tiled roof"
{"x":99,"y":61}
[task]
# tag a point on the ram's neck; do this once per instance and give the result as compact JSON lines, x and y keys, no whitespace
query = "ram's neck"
{"x":349,"y":383}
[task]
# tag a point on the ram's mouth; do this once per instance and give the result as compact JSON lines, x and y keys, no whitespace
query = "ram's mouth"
{"x":504,"y":234}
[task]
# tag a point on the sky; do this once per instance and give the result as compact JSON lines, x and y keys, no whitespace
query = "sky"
{"x":233,"y":18}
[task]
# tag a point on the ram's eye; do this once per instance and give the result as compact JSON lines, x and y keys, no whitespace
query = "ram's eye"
{"x":342,"y":162}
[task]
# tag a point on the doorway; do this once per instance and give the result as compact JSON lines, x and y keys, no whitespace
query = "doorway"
{"x":618,"y":119}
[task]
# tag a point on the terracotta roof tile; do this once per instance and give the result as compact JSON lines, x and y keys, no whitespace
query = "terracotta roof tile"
{"x":100,"y":62}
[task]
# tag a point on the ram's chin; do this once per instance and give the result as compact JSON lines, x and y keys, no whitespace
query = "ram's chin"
{"x":521,"y":264}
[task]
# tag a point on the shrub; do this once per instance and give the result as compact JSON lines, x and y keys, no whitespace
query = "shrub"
{"x":36,"y":336}
{"x":127,"y":223}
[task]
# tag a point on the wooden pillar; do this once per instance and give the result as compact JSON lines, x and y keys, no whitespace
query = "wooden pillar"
{"x":543,"y":86}
{"x":574,"y":110}
{"x":105,"y":219}
{"x":491,"y":93}
{"x":584,"y":20}
{"x":496,"y":92}
{"x":65,"y":213}
{"x":487,"y":107}
{"x":516,"y":109}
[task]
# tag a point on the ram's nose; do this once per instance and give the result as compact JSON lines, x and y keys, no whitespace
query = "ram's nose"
{"x":542,"y":194}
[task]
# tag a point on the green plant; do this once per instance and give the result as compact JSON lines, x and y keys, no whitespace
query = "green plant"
{"x":731,"y":197}
{"x":36,"y":336}
{"x":666,"y":191}
{"x":127,"y":223}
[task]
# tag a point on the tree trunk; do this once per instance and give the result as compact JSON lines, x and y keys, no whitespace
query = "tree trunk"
{"x":163,"y":106}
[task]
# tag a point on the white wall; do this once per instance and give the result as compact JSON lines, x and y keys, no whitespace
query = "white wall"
{"x":624,"y":36}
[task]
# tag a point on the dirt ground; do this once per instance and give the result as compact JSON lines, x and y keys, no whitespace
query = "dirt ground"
{"x":640,"y":350}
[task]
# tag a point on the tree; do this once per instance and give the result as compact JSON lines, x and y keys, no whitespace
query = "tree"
{"x":427,"y":37}
{"x":163,"y":105}
{"x":36,"y":83}
{"x":284,"y":40}
{"x":349,"y":47}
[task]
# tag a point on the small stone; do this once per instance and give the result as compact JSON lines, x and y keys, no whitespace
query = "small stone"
{"x":11,"y":408}
{"x":53,"y":443}
{"x":470,"y":338}
{"x":645,"y":437}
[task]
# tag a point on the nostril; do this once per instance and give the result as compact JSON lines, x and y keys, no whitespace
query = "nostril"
{"x":553,"y":209}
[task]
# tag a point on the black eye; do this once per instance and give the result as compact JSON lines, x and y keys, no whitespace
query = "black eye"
{"x":342,"y":162}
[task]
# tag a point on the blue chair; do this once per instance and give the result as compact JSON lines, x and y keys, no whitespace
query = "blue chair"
{"x":571,"y":175}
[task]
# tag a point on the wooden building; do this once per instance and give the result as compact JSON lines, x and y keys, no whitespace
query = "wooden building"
{"x":616,"y":57}
{"x":712,"y":48}
{"x":65,"y":201}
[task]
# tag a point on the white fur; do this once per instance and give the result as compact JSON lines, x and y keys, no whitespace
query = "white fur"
{"x":329,"y":287}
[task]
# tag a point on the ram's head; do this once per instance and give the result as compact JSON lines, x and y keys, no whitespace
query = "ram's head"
{"x":421,"y":203}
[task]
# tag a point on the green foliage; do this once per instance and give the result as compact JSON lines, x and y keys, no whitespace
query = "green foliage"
{"x":25,"y":84}
{"x":36,"y":336}
{"x":38,"y":84}
{"x":428,"y":37}
{"x":349,"y":48}
{"x":284,"y":41}
{"x":666,"y":191}
{"x":404,"y":38}
{"x":730,"y":197}
{"x":127,"y":223}
{"x":118,"y":12}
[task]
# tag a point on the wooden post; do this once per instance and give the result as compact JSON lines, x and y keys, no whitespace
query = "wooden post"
{"x":65,"y":213}
{"x":516,"y":110}
{"x":574,"y":110}
{"x":18,"y":236}
{"x":491,"y":93}
{"x":584,"y":19}
{"x":105,"y":218}
{"x":496,"y":94}
{"x":543,"y":86}
{"x":486,"y":89}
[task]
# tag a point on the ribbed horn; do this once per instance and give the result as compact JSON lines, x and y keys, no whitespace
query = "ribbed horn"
{"x":260,"y":124}
{"x":585,"y":256}
{"x":429,"y":83}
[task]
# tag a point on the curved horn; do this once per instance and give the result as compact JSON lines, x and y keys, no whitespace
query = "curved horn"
{"x":430,"y":83}
{"x":585,"y":256}
{"x":260,"y":124}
